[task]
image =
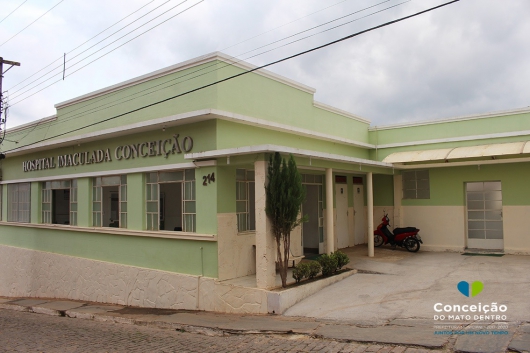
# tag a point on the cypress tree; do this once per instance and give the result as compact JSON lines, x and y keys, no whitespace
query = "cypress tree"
{"x":285,"y":194}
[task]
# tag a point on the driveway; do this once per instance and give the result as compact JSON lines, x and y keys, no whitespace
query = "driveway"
{"x":396,"y":284}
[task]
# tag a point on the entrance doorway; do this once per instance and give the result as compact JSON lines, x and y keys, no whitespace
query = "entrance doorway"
{"x":358,"y":214}
{"x":310,"y":229}
{"x":484,"y":215}
{"x":341,"y":222}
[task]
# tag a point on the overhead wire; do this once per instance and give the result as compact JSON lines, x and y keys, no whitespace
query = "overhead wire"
{"x":59,"y":66}
{"x":80,"y":45}
{"x":13,"y":11}
{"x":38,"y":18}
{"x":243,"y":73}
{"x":84,"y":51}
{"x":67,"y":117}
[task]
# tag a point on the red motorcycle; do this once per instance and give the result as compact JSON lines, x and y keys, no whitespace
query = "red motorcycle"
{"x":407,"y":238}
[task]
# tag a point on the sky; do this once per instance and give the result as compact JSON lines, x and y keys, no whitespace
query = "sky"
{"x":467,"y":58}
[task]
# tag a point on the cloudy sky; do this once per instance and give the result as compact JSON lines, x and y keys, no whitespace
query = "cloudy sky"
{"x":470,"y":57}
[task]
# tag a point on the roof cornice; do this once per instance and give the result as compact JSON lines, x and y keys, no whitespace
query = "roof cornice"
{"x":182,"y":66}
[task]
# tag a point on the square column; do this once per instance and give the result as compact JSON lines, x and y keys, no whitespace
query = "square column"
{"x":370,"y":196}
{"x":330,"y":229}
{"x":265,"y":242}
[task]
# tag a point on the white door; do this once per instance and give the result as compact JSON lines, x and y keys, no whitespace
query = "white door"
{"x":358,"y":214}
{"x":341,"y":222}
{"x":484,"y":215}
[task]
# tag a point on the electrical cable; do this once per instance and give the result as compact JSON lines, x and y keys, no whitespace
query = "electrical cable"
{"x":71,"y":73}
{"x":80,"y":45}
{"x":245,"y":72}
{"x":54,"y":6}
{"x":99,"y":108}
{"x":70,"y":59}
{"x":13,"y":11}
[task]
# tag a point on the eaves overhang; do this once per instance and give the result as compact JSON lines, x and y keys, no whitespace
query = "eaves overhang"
{"x":245,"y":150}
{"x":181,"y":119}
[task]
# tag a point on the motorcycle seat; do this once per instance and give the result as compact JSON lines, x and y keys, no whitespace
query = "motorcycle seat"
{"x":404,"y":230}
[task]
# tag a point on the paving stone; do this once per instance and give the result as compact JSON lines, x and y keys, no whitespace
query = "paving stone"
{"x":398,"y":349}
{"x":88,"y":312}
{"x":520,"y":342}
{"x":56,"y":308}
{"x":483,"y":343}
{"x":421,"y":335}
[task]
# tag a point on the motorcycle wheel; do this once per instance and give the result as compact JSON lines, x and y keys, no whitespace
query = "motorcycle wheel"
{"x":378,"y":240}
{"x":412,"y":244}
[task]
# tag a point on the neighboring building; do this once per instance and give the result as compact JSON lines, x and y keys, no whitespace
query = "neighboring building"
{"x":118,"y":199}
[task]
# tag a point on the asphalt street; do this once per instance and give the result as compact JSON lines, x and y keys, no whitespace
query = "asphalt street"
{"x":30,"y":332}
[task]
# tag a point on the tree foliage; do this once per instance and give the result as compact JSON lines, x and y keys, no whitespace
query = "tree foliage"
{"x":285,"y":194}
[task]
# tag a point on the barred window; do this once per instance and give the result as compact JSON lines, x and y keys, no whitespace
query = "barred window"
{"x":245,"y":200}
{"x":19,"y":202}
{"x":170,"y":201}
{"x":416,"y":184}
{"x":59,"y":202}
{"x":109,"y":201}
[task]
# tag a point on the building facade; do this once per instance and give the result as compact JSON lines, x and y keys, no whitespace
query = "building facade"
{"x":151,"y":192}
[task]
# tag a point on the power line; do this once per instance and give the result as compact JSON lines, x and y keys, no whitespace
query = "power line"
{"x":244,"y":73}
{"x":130,"y":40}
{"x":121,"y":100}
{"x":84,"y":51}
{"x":32,"y":23}
{"x":88,"y":40}
{"x":13,"y":11}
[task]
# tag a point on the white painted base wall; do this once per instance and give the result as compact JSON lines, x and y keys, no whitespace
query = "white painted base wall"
{"x":37,"y":274}
{"x":30,"y":273}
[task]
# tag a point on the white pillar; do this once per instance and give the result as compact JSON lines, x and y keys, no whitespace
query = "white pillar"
{"x":330,"y":234}
{"x":265,"y":243}
{"x":370,"y":194}
{"x":398,"y":195}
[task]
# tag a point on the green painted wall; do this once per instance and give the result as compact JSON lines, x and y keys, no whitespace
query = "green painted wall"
{"x":136,"y":218}
{"x":458,"y":128}
{"x":127,"y":99}
{"x":84,"y":209}
{"x":36,"y":203}
{"x":206,"y":199}
{"x":182,"y":256}
{"x":383,"y":190}
{"x":203,"y":135}
{"x":447,"y":184}
{"x":257,"y":96}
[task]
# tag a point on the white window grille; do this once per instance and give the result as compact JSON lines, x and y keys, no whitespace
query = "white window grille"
{"x":245,"y":200}
{"x":19,"y":202}
{"x":109,"y":201}
{"x":416,"y":184}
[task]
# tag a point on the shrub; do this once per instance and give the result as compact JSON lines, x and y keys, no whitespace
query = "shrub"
{"x":328,"y":263}
{"x":342,"y":259}
{"x":314,"y":269}
{"x":301,"y":271}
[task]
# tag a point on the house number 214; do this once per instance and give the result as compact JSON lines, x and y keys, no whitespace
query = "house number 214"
{"x":207,"y":179}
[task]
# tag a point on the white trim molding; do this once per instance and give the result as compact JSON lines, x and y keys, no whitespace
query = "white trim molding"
{"x":22,"y":127}
{"x":117,"y":231}
{"x":183,"y":66}
{"x":331,"y":109}
{"x":456,"y":139}
{"x":156,"y":168}
{"x":181,"y":119}
{"x":453,"y":120}
{"x":284,"y":149}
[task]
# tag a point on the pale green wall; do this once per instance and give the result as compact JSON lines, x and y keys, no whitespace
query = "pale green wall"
{"x":383,"y":190}
{"x":136,"y":218}
{"x":175,"y":255}
{"x":458,"y":128}
{"x":206,"y":200}
{"x":203,"y":135}
{"x":447,"y":184}
{"x":36,"y":203}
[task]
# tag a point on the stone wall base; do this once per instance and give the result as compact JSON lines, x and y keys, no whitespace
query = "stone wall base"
{"x":30,"y":273}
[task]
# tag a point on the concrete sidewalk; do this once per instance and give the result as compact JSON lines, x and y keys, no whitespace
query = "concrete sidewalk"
{"x":402,"y":332}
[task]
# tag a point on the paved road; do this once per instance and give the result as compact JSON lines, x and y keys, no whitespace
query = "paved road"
{"x":29,"y":332}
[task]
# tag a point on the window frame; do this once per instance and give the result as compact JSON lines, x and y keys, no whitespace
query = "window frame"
{"x":15,"y":215}
{"x":245,"y":184}
{"x":413,"y":188}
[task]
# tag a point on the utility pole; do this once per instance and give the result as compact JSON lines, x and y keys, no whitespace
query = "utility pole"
{"x":3,"y":119}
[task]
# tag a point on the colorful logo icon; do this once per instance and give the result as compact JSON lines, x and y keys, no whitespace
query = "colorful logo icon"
{"x":470,"y":290}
